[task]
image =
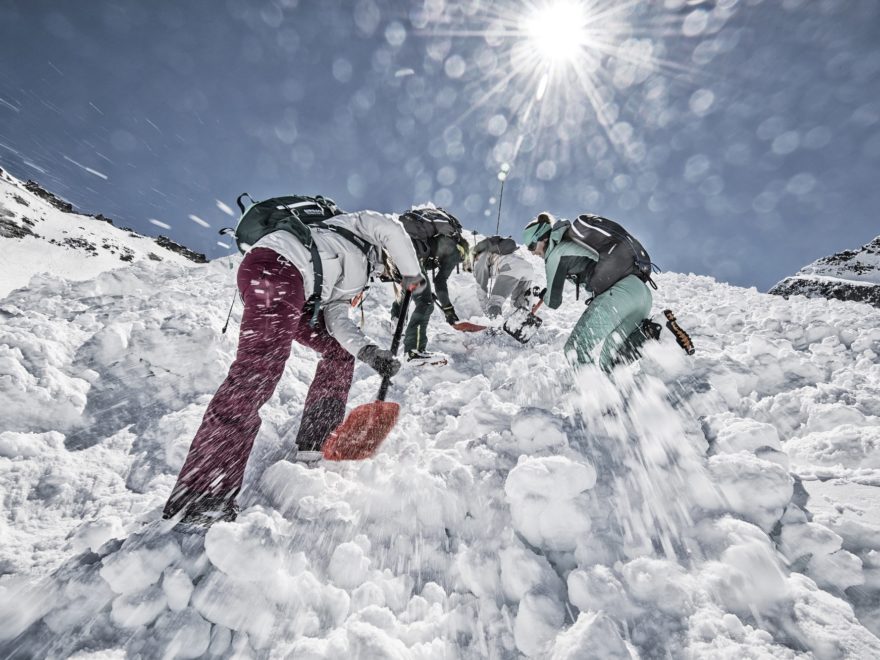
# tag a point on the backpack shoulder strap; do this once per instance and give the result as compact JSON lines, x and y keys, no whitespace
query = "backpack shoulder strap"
{"x":362,"y":244}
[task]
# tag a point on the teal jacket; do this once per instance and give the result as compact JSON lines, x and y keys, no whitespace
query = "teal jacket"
{"x":566,"y":260}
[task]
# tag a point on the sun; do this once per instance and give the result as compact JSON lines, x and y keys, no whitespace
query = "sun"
{"x":557,"y":31}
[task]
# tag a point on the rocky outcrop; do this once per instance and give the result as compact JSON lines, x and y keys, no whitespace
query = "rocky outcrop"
{"x":852,"y":275}
{"x":168,"y":244}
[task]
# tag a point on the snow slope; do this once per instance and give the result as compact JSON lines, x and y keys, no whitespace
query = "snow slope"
{"x":40,"y":233}
{"x":848,"y":275}
{"x":516,"y":510}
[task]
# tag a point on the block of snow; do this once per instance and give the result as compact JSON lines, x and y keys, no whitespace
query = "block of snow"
{"x":251,"y":549}
{"x":661,"y":583}
{"x":597,"y":588}
{"x":133,"y":570}
{"x":538,"y":620}
{"x":522,"y":570}
{"x":847,"y":446}
{"x":182,"y":634}
{"x":837,"y":570}
{"x":349,"y":565}
{"x":809,"y":538}
{"x":756,"y":489}
{"x":545,"y":497}
{"x":738,"y":434}
{"x":177,"y":587}
{"x":134,"y":609}
{"x":594,"y":636}
{"x":537,"y":430}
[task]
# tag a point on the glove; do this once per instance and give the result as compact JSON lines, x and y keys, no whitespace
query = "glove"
{"x":382,"y":360}
{"x":451,"y":316}
{"x":538,"y":292}
{"x":415,"y":284}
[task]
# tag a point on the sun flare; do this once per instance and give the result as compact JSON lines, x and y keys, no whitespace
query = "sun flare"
{"x":557,"y":31}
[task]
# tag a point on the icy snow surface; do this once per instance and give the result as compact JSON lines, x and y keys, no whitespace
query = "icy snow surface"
{"x":516,"y":510}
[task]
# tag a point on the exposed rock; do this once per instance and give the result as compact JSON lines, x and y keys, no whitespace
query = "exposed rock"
{"x":9,"y":229}
{"x":168,"y":244}
{"x":852,"y":275}
{"x":42,"y":193}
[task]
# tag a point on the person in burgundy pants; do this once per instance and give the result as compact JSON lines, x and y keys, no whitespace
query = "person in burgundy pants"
{"x":273,"y":290}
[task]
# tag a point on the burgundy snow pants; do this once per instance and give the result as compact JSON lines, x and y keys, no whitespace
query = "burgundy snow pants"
{"x":272,"y":289}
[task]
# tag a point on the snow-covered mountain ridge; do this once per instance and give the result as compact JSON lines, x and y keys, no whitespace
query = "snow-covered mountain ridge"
{"x":721,"y":505}
{"x":848,"y":275}
{"x":42,"y":233}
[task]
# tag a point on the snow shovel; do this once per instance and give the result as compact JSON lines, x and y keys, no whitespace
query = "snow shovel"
{"x":522,"y":325}
{"x":367,"y":426}
{"x":462,"y":326}
{"x":467,"y":326}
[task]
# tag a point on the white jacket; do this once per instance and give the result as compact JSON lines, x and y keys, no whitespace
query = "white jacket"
{"x":346,"y":268}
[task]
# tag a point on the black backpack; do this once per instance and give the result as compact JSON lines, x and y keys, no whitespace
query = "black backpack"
{"x":292,"y":213}
{"x":619,"y":253}
{"x":424,"y":225}
{"x":496,"y":245}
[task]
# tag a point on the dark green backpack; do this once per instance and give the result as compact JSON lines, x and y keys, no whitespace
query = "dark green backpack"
{"x":293,"y":214}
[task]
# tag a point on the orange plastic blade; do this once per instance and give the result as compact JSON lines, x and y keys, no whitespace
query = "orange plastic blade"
{"x":466,"y":326}
{"x":361,"y":433}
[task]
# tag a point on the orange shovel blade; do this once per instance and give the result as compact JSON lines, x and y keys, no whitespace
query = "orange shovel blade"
{"x":361,"y":433}
{"x":467,"y":326}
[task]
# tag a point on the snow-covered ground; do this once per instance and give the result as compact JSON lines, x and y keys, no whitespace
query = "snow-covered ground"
{"x":38,"y":237}
{"x":720,"y":505}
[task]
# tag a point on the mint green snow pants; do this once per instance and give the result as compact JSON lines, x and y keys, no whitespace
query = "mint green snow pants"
{"x":602,"y":331}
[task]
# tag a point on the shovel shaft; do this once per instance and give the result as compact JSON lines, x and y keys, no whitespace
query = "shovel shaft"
{"x":395,"y":342}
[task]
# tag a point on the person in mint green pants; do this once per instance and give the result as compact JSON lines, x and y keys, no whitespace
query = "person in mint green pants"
{"x":610,"y":328}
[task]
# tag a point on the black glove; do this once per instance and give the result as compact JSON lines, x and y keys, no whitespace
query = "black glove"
{"x":413,"y":283}
{"x":382,"y":360}
{"x":451,"y":316}
{"x":538,"y":292}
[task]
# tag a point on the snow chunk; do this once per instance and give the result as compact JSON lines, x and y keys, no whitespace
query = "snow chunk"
{"x":523,"y":570}
{"x":348,"y":565}
{"x":250,"y":549}
{"x":662,"y":583}
{"x":808,"y":539}
{"x":847,"y":446}
{"x":756,"y":489}
{"x":538,"y":620}
{"x":537,"y":430}
{"x":131,"y":610}
{"x":182,"y":635}
{"x":128,"y":571}
{"x":545,"y":497}
{"x":177,"y":587}
{"x":597,"y":588}
{"x":593,"y":636}
{"x":735,"y":435}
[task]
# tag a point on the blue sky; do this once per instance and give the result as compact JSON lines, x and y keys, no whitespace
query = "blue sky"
{"x":736,"y":138}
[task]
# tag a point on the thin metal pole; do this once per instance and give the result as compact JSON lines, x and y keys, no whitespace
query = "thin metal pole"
{"x":500,"y":197}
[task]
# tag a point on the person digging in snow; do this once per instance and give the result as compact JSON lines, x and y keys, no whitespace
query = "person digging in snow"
{"x":601,"y":255}
{"x":437,"y":238}
{"x":500,"y":274}
{"x":273,"y":279}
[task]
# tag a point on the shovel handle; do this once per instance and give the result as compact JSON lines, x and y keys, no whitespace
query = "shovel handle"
{"x":395,"y":342}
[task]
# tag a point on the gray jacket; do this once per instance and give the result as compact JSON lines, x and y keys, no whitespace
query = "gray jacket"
{"x":346,"y":268}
